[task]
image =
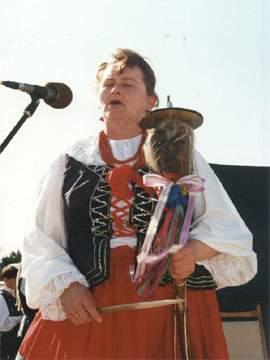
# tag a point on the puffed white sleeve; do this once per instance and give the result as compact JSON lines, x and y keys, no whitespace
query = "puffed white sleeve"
{"x":46,"y":265}
{"x":218,"y":224}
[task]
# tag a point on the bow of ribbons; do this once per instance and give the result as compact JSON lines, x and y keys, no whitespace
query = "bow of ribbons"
{"x":176,"y":200}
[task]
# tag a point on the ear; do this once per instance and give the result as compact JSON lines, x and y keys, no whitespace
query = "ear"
{"x":152,"y":100}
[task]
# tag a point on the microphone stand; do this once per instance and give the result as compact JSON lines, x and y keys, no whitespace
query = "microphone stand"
{"x":27,"y":113}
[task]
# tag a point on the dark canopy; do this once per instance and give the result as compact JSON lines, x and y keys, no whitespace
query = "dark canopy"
{"x":248,"y":188}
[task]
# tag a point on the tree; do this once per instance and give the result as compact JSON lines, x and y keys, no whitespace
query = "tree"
{"x":13,"y":257}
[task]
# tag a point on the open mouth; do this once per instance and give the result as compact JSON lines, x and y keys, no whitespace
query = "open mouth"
{"x":115,"y":102}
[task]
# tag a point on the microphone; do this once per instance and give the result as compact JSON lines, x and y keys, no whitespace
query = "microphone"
{"x":55,"y":94}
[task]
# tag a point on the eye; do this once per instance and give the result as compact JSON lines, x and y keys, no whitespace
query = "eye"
{"x":108,"y":84}
{"x":127,"y":85}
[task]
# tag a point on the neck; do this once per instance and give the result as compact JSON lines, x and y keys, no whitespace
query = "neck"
{"x":116,"y":132}
{"x":122,"y":136}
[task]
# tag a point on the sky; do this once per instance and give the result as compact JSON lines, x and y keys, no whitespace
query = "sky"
{"x":209,"y":55}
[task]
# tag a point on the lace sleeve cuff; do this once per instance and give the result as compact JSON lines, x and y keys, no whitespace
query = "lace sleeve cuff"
{"x":50,"y":304}
{"x":230,"y":270}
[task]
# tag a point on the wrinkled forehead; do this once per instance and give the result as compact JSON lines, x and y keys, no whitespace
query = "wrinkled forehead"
{"x":113,"y":70}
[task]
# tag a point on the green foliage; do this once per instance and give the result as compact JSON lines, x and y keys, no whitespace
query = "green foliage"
{"x":13,"y":257}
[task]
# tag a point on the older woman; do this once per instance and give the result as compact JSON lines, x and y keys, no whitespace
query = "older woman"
{"x":86,"y":233}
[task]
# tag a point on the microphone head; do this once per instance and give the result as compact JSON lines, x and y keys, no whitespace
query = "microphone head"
{"x":63,"y":95}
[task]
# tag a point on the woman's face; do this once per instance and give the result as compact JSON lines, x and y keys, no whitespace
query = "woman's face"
{"x":123,"y":97}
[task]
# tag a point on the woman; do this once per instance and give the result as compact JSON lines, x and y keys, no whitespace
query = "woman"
{"x":10,"y":316}
{"x":87,"y":229}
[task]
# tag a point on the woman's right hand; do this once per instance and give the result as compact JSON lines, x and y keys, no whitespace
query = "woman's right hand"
{"x":79,"y":304}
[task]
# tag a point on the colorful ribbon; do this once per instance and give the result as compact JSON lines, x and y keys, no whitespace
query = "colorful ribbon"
{"x":171,"y":198}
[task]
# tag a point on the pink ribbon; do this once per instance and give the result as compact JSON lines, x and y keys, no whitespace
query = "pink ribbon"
{"x":194,"y":185}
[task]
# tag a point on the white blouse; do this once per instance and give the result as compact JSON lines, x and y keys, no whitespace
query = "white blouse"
{"x":49,"y":270}
{"x":7,"y":322}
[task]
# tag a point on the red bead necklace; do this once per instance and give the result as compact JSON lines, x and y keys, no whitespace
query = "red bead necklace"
{"x":108,"y":158}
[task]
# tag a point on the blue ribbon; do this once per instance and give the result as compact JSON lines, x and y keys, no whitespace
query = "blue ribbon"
{"x":175,"y":197}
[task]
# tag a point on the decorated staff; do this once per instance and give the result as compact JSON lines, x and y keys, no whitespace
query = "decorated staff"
{"x":168,"y":151}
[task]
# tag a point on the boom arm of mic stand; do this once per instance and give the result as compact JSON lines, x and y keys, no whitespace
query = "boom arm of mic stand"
{"x":27,"y":113}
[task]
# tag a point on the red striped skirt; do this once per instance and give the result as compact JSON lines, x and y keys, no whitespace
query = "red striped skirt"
{"x":137,"y":334}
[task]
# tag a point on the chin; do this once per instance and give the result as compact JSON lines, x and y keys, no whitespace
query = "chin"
{"x":118,"y":119}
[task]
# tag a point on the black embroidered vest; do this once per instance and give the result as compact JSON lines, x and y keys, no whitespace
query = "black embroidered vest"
{"x":87,"y":199}
{"x":11,"y":303}
{"x":9,"y":342}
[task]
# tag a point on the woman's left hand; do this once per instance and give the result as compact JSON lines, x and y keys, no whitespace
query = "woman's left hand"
{"x":183,"y":261}
{"x":182,"y":264}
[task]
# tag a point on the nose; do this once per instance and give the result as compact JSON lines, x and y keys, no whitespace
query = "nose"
{"x":116,"y":89}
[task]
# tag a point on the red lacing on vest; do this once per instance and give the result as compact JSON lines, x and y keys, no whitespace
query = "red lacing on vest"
{"x":120,"y":182}
{"x":120,"y":178}
{"x":120,"y":218}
